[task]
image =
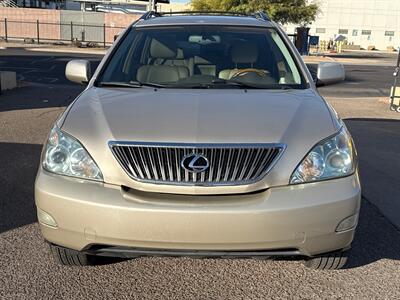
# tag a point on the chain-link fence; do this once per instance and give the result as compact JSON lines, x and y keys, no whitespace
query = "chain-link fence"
{"x":45,"y":32}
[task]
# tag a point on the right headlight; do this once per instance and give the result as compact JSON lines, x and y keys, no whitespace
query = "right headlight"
{"x":65,"y":155}
{"x":332,"y":158}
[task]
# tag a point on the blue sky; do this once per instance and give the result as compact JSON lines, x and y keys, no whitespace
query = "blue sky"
{"x":180,"y":1}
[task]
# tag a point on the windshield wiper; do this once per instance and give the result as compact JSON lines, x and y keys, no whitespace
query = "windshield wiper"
{"x":209,"y":85}
{"x":130,"y":84}
{"x":236,"y":83}
{"x":217,"y":83}
{"x":230,"y":83}
{"x":274,"y":86}
{"x":149,"y":84}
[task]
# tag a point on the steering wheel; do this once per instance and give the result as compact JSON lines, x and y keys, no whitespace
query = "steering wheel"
{"x":243,"y":72}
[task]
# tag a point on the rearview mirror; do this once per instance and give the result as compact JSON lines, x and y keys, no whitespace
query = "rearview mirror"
{"x":78,"y":71}
{"x":330,"y":73}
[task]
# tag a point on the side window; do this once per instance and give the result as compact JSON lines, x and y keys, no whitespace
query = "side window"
{"x":122,"y":63}
{"x":135,"y":56}
{"x":292,"y":75}
{"x":279,"y":65}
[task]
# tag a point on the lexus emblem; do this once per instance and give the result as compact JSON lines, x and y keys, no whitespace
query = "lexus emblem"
{"x":195,"y":163}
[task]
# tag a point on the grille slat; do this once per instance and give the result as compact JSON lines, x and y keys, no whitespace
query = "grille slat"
{"x":144,"y":164}
{"x":211,"y":172}
{"x":126,"y":161}
{"x":237,"y":164}
{"x":228,"y":164}
{"x":186,"y":152}
{"x":220,"y":160}
{"x":171,"y":175}
{"x":254,"y":164}
{"x":203,"y":174}
{"x":177,"y":166}
{"x":152,"y":162}
{"x":246,"y":164}
{"x":262,"y":163}
{"x":135,"y":164}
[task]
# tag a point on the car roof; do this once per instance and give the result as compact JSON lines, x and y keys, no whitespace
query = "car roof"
{"x":169,"y":20}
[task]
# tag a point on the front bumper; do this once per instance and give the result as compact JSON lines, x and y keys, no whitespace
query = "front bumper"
{"x":301,"y":218}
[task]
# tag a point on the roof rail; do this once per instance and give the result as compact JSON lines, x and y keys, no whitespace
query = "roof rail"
{"x":149,"y":15}
{"x":201,"y":12}
{"x":262,"y":15}
{"x":258,"y":15}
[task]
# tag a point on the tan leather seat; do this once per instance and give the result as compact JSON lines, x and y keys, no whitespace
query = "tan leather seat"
{"x":244,"y":54}
{"x":158,"y":71}
{"x":181,"y":62}
{"x":204,"y":66}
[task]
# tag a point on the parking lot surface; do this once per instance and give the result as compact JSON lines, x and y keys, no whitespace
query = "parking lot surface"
{"x":28,"y":272}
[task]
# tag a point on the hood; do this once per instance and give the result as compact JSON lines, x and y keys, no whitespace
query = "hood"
{"x":296,"y":118}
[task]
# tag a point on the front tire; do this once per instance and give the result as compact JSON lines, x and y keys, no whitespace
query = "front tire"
{"x":329,"y":261}
{"x":69,"y":257}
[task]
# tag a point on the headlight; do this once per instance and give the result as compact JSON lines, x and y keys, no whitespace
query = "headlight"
{"x":66,"y":156}
{"x":332,"y":158}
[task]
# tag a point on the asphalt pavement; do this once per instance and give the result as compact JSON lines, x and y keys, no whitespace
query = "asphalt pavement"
{"x":28,"y":272}
{"x":362,"y":81}
{"x":41,"y":67}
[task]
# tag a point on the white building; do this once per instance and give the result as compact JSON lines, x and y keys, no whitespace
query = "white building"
{"x":362,"y":22}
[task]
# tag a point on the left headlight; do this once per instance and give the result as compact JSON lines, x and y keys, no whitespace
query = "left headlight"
{"x":332,"y":158}
{"x":64,"y":155}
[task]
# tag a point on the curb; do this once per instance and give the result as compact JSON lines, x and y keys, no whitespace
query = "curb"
{"x":385,"y":100}
{"x":67,"y":50}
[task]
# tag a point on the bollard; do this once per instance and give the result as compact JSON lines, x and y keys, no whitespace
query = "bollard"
{"x":72,"y":32}
{"x":37,"y":31}
{"x":5,"y":30}
{"x":8,"y":80}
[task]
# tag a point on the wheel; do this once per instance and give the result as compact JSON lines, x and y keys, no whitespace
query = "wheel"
{"x":69,"y":257}
{"x":329,"y":261}
{"x":398,"y":109}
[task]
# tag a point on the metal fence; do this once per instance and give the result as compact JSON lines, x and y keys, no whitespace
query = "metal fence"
{"x":45,"y":32}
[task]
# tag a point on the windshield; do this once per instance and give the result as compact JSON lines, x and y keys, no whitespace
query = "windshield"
{"x":202,"y":57}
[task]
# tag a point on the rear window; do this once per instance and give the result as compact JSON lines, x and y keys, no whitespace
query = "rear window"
{"x":204,"y":56}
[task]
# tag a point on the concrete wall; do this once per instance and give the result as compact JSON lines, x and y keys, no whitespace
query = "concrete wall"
{"x":85,"y":24}
{"x":116,"y":23}
{"x":381,"y":17}
{"x":56,"y":24}
{"x":15,"y":29}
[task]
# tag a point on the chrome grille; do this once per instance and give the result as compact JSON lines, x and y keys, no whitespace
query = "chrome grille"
{"x":229,"y":164}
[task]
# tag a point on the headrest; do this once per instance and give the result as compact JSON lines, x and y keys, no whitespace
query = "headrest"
{"x":163,"y":48}
{"x":244,"y":53}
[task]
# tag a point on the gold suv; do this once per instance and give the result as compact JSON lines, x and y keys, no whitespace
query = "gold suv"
{"x":200,"y":135}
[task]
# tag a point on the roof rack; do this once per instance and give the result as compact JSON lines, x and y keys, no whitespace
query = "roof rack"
{"x":259,"y":15}
{"x":149,"y":15}
{"x":202,"y":12}
{"x":262,"y":15}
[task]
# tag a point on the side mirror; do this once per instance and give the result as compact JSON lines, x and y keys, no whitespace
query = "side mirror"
{"x":78,"y":71}
{"x":329,"y":73}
